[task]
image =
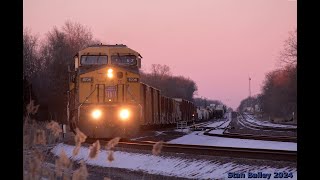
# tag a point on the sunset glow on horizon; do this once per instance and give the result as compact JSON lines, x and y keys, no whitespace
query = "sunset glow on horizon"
{"x":217,"y":43}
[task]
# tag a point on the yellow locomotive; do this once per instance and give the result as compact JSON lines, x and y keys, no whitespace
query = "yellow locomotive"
{"x":107,"y":99}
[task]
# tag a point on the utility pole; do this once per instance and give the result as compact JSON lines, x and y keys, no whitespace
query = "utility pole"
{"x":249,"y":88}
{"x":250,"y":102}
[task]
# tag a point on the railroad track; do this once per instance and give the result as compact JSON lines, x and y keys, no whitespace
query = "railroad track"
{"x":251,"y":136}
{"x":265,"y":154}
{"x":243,"y":136}
{"x":257,"y":126}
{"x":203,"y":127}
{"x":248,"y":136}
{"x":203,"y":124}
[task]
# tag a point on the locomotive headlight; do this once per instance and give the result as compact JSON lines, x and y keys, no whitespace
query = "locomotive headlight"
{"x":96,"y":114}
{"x":124,"y":114}
{"x":110,"y":73}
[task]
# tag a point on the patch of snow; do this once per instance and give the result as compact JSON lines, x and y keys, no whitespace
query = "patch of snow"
{"x":251,"y":126}
{"x":197,"y":138}
{"x":186,"y":130}
{"x":253,"y":120}
{"x":139,"y":137}
{"x":216,"y":131}
{"x":169,"y":166}
{"x":218,"y":124}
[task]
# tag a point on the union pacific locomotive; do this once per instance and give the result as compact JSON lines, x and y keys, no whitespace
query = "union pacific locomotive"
{"x":106,"y":98}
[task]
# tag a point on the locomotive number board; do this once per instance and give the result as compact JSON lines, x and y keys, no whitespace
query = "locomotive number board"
{"x":86,"y":79}
{"x":131,"y":79}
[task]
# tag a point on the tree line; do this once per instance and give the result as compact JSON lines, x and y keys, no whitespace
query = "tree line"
{"x":204,"y":102}
{"x":45,"y":65}
{"x":161,"y":78}
{"x":279,"y":90}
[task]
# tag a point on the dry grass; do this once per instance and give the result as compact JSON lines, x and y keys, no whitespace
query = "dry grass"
{"x":76,"y":150}
{"x":79,"y":138}
{"x":36,"y":134}
{"x":157,"y":147}
{"x":110,"y":157}
{"x":31,"y":108}
{"x":112,"y":143}
{"x":36,"y":137}
{"x":81,"y":173}
{"x":40,"y":137}
{"x":94,"y":150}
{"x":54,"y":127}
{"x":35,"y":165}
{"x":62,"y":163}
{"x":110,"y":146}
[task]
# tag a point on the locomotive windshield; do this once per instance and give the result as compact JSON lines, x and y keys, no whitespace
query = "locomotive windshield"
{"x":124,"y":60}
{"x":94,"y":60}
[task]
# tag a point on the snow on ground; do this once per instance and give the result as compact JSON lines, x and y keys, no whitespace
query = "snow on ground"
{"x":197,"y":138}
{"x":253,"y":120}
{"x":248,"y":125}
{"x":216,"y":124}
{"x":226,"y":124}
{"x":169,"y":166}
{"x":216,"y":131}
{"x":253,"y":126}
{"x":185,"y":130}
{"x":220,"y":126}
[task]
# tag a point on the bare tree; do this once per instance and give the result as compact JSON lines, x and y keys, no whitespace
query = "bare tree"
{"x":77,"y":36}
{"x":31,"y":62}
{"x":201,"y":102}
{"x":160,"y":71}
{"x":288,"y":56}
{"x":279,"y":92}
{"x":171,"y":86}
{"x":247,"y":102}
{"x":57,"y":53}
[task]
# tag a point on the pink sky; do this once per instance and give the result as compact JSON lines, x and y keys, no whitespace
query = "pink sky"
{"x":217,"y":43}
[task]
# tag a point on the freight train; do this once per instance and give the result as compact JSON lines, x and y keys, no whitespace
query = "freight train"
{"x":211,"y":112}
{"x":106,"y":98}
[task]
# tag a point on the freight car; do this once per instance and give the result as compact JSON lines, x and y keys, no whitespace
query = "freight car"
{"x":219,"y":111}
{"x":107,"y":99}
{"x":203,"y":114}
